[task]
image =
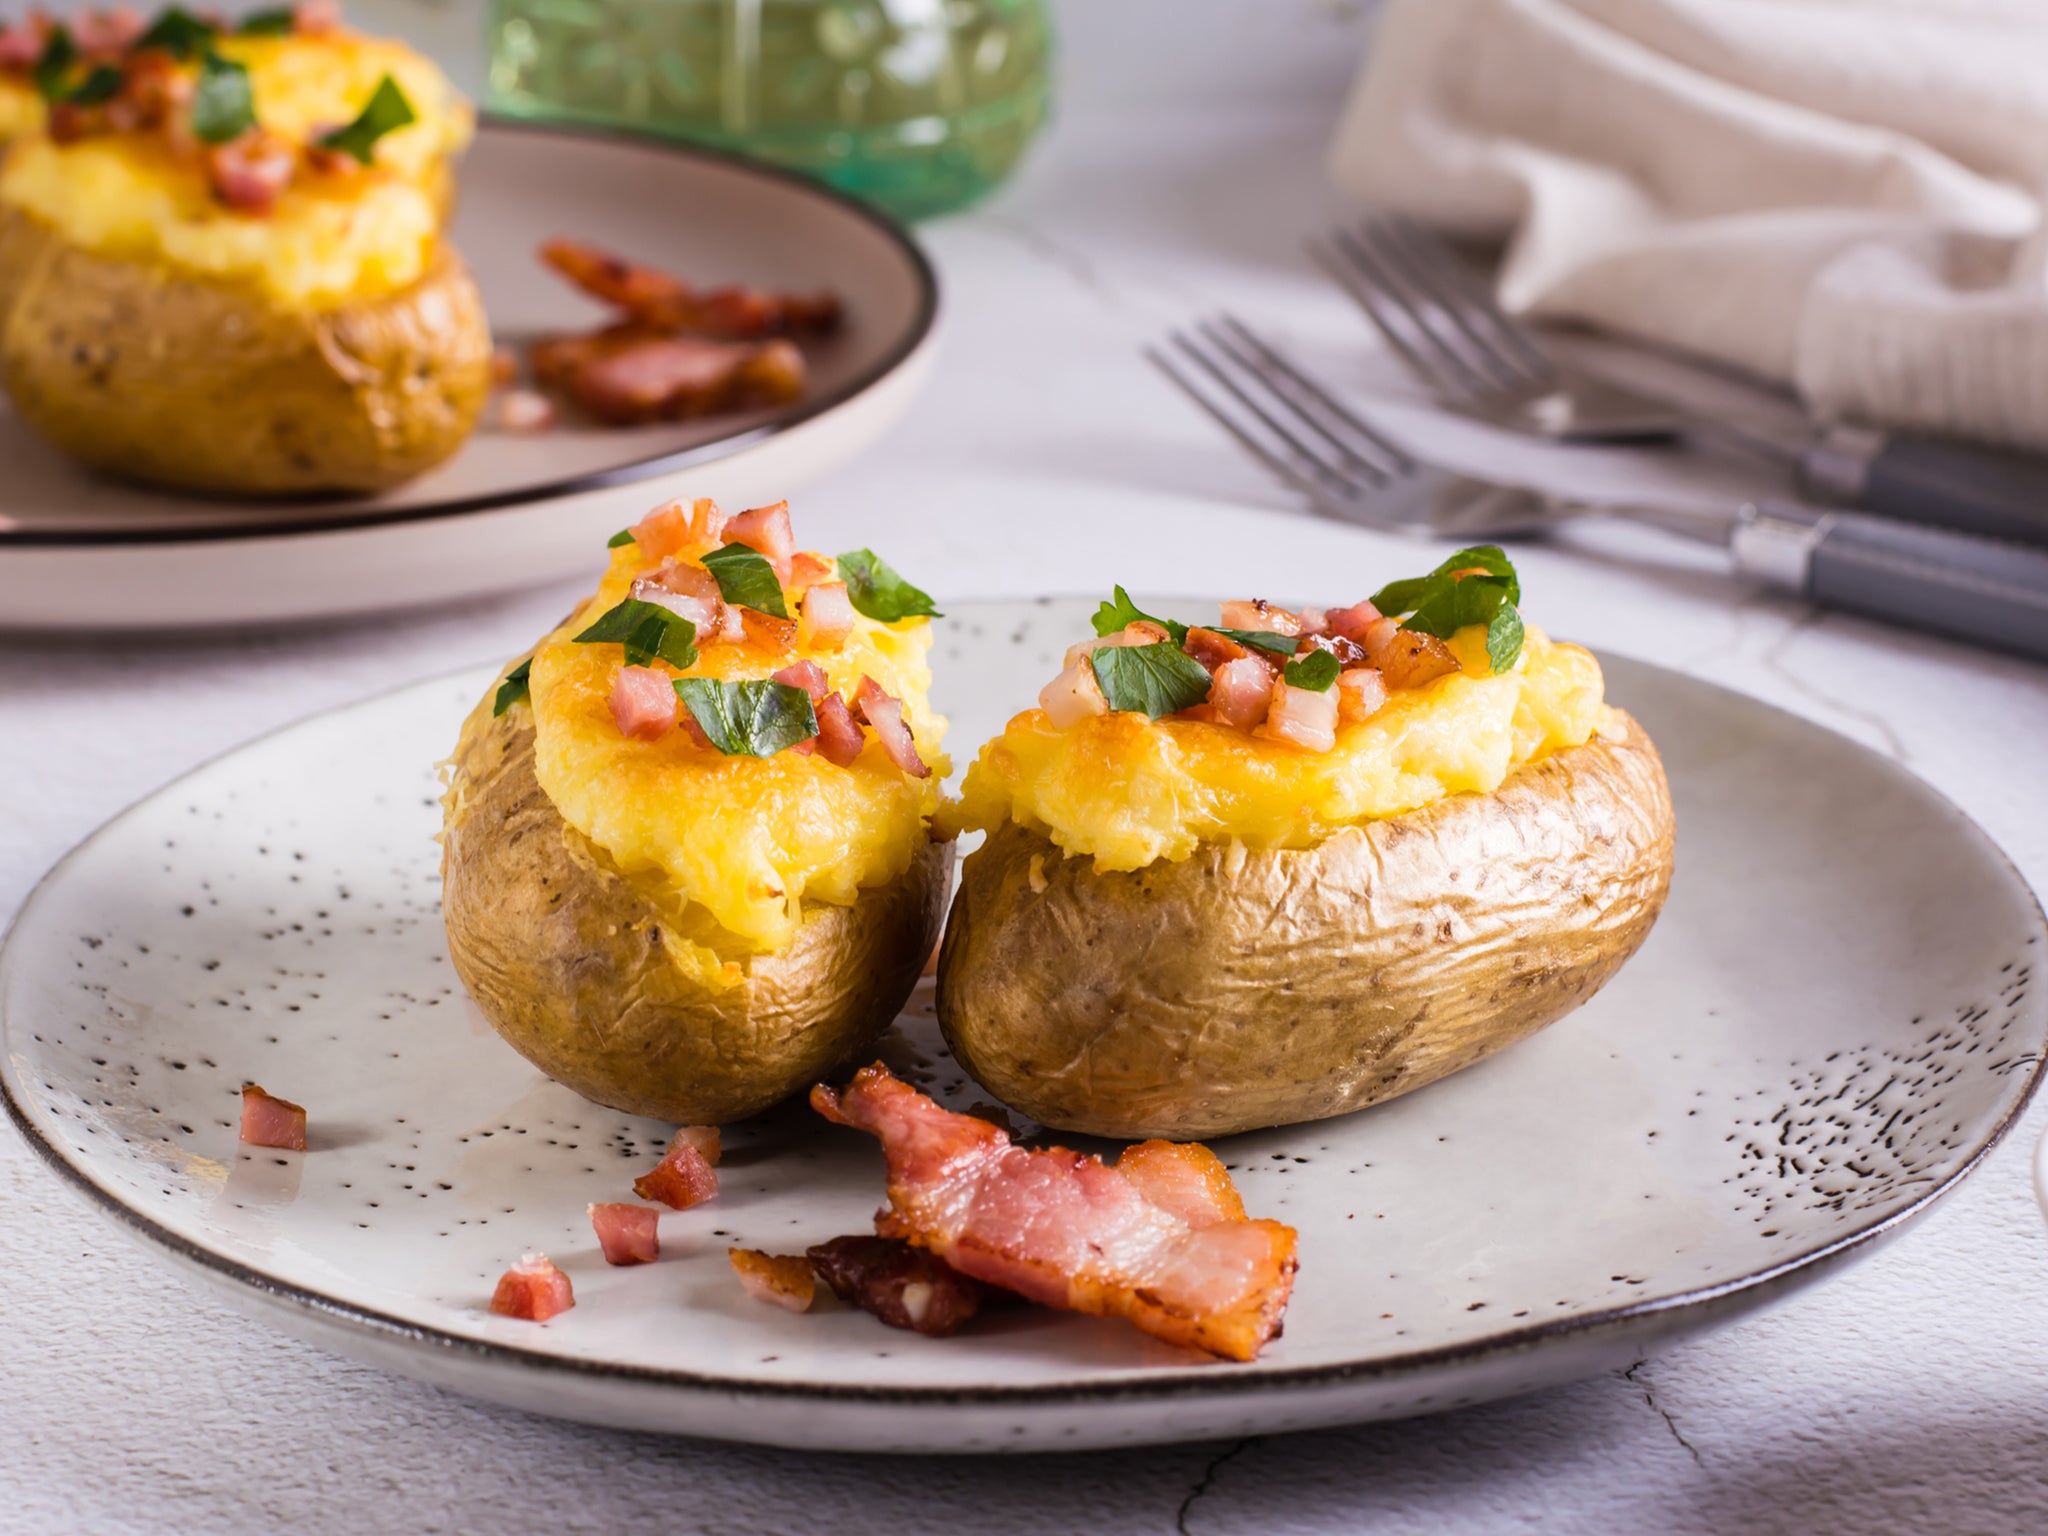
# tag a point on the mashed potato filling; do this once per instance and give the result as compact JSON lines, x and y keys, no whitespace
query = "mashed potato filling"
{"x":326,"y":242}
{"x":743,"y":840}
{"x":1127,"y":790}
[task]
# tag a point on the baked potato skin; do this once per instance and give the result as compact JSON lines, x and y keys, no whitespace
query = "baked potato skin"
{"x":142,"y":371}
{"x":1197,"y":999}
{"x":566,"y":960}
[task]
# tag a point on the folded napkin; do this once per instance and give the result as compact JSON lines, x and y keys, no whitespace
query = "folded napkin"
{"x":1846,"y":196}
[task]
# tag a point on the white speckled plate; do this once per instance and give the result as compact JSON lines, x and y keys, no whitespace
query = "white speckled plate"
{"x":1837,"y":1016}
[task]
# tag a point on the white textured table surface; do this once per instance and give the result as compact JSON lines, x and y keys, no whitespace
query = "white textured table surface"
{"x":1909,"y":1395}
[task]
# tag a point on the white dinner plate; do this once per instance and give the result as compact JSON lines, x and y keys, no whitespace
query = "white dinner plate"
{"x":1838,"y":1014}
{"x":80,"y":551}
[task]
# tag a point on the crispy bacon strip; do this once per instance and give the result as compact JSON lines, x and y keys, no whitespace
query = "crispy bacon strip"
{"x":905,"y":1287}
{"x":1067,"y":1230}
{"x":628,"y":375}
{"x":661,"y":302}
{"x":780,"y":1279}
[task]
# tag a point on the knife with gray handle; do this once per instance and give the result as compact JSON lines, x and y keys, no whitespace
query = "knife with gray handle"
{"x":1994,"y":493}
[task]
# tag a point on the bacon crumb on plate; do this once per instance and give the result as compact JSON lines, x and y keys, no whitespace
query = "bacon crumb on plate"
{"x":685,"y":1176}
{"x":268,"y":1121}
{"x":629,"y":1234}
{"x":905,"y":1286}
{"x":1069,"y":1231}
{"x":533,"y":1289}
{"x":781,"y":1279}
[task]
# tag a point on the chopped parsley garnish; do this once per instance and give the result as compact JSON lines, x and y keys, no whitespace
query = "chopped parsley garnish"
{"x":513,"y":689}
{"x":1120,"y":613}
{"x":53,"y":64}
{"x":276,"y":23}
{"x":623,"y":537}
{"x":1315,"y":671}
{"x":386,"y":111}
{"x":755,"y":718}
{"x":647,"y":631}
{"x":747,"y":579}
{"x":1475,"y":586}
{"x":1151,"y":680}
{"x":223,"y":107}
{"x":177,"y":32}
{"x":874,"y":589}
{"x":100,"y":86}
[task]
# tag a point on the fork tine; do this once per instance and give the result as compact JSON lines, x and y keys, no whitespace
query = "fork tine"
{"x":1319,"y":465}
{"x":1356,"y":273}
{"x":1396,"y":460}
{"x":1285,"y":471}
{"x":1416,"y":286}
{"x":1511,"y":337}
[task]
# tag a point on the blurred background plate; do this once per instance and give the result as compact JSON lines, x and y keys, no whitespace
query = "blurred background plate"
{"x":80,"y":552}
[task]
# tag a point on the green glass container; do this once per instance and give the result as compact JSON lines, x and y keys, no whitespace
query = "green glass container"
{"x":921,"y":106}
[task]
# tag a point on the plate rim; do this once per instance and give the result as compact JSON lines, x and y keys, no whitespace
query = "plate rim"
{"x":916,"y":335}
{"x":1197,"y":1380}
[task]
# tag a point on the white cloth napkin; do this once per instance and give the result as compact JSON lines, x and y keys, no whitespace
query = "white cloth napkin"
{"x":1846,"y":196}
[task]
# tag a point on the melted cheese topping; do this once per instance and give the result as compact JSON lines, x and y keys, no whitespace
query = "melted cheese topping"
{"x":21,"y":109}
{"x":1127,"y":790}
{"x":743,"y":841}
{"x":328,"y":240}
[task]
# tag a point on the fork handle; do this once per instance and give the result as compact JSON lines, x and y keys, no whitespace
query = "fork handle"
{"x":1983,"y":591}
{"x":1991,"y":492}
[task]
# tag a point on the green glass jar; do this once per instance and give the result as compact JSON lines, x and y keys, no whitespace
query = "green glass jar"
{"x":920,"y":106}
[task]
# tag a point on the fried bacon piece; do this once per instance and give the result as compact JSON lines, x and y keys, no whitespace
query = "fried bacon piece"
{"x":905,"y":1287}
{"x":685,"y":1176}
{"x":1407,"y":658}
{"x":533,"y":1289}
{"x":1069,"y":1231}
{"x":268,"y":1121}
{"x":628,"y":375}
{"x":628,"y":1234}
{"x":659,"y":302}
{"x":780,"y":1279}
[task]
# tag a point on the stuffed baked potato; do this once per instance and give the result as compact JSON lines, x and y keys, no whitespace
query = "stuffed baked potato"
{"x":1296,"y":864}
{"x":222,"y":264}
{"x":687,"y":860}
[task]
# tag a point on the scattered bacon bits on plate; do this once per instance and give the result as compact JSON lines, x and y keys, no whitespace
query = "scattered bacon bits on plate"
{"x":904,"y":1286}
{"x":1163,"y":1245}
{"x":782,"y":1279}
{"x":629,"y":1234}
{"x":685,"y":1176}
{"x":533,"y":1289}
{"x":268,"y":1121}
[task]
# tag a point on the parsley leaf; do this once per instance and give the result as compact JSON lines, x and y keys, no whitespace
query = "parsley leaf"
{"x":278,"y":23}
{"x":874,"y":589}
{"x":646,"y":630}
{"x":386,"y":111}
{"x":54,"y":63}
{"x":223,"y":106}
{"x":176,"y":32}
{"x":513,"y":689}
{"x":755,"y":718}
{"x":1153,"y":680}
{"x":102,"y":85}
{"x":623,"y":536}
{"x":1315,"y":671}
{"x":1261,"y":640}
{"x":1121,"y":612}
{"x":1474,"y":586}
{"x":746,"y":578}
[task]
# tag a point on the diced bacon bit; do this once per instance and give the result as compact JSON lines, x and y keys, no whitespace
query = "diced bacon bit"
{"x":1353,"y":622}
{"x":1073,"y":696}
{"x":316,"y":18}
{"x":905,"y":1287}
{"x":732,"y":626}
{"x":1213,"y":650}
{"x":533,"y":1289}
{"x":102,"y":33}
{"x":686,"y":590}
{"x":826,"y":617}
{"x":525,"y":412}
{"x":1261,"y":615}
{"x":839,"y":735}
{"x":1361,"y":694}
{"x":684,"y":1176}
{"x":1349,"y":653}
{"x":1141,"y":632}
{"x":780,"y":1279}
{"x":705,"y":1139}
{"x":21,"y":45}
{"x":250,"y":173}
{"x":268,"y":1121}
{"x":644,"y":703}
{"x":884,"y":712}
{"x":656,"y":299}
{"x":1302,"y":716}
{"x":807,"y":568}
{"x":687,"y":722}
{"x":629,"y":1234}
{"x":1315,"y":621}
{"x":628,"y":380}
{"x":1065,"y":1230}
{"x":1407,"y":658}
{"x":1241,"y":692}
{"x":807,"y":675}
{"x":766,"y":530}
{"x":763,"y":630}
{"x":68,"y":122}
{"x":504,"y":366}
{"x":1185,"y":1179}
{"x":677,"y":527}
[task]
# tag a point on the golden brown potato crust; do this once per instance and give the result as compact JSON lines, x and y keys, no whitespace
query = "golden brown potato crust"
{"x":141,"y":371}
{"x":1191,"y":999}
{"x":566,"y":960}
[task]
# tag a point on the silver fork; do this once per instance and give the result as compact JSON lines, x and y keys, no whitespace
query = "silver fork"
{"x":1473,"y":358}
{"x":1980,"y":590}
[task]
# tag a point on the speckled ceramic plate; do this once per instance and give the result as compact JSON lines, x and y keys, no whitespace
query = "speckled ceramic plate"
{"x":1837,"y":1016}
